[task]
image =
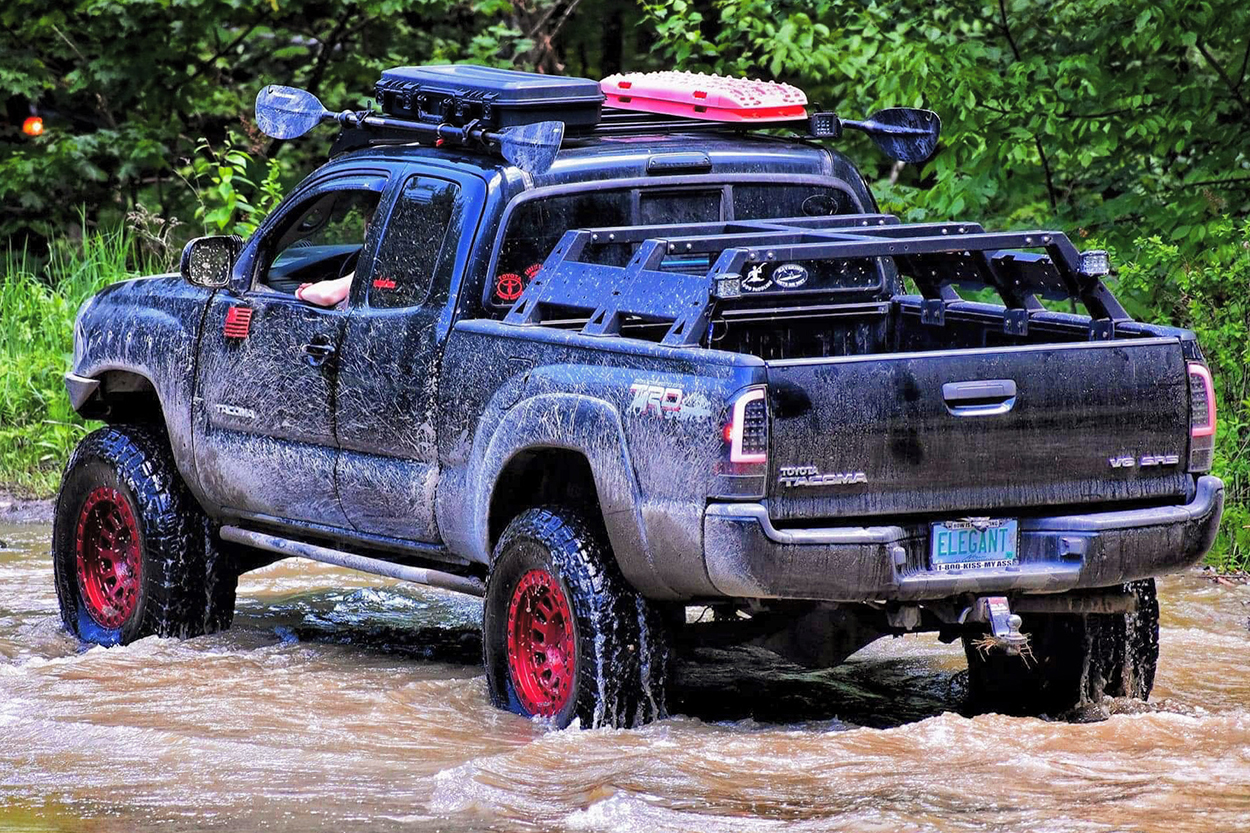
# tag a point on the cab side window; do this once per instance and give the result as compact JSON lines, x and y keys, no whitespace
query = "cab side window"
{"x":419,"y":248}
{"x":320,"y":240}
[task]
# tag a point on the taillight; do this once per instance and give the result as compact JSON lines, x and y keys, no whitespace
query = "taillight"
{"x":746,"y":433}
{"x":1201,"y":418}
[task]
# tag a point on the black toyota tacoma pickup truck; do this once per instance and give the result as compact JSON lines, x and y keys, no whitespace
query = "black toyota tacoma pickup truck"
{"x":674,"y":363}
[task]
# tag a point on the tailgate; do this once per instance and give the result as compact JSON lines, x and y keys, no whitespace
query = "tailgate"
{"x":978,"y":430}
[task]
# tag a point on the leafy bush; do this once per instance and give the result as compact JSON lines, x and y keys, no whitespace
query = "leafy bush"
{"x":230,"y":202}
{"x":1208,"y":291}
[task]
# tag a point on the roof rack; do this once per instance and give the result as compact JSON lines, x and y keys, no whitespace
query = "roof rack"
{"x":935,"y":255}
{"x":524,"y":117}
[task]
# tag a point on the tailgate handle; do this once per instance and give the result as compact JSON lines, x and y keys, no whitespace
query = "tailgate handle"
{"x":980,"y":397}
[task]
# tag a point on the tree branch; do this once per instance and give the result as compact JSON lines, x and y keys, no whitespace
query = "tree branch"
{"x":1050,"y":179}
{"x":201,"y":67}
{"x":1002,"y":10}
{"x":1245,"y":59}
{"x":1219,"y":70}
{"x":102,"y":103}
{"x":1037,"y":140}
{"x":327,"y":50}
{"x":1242,"y":180}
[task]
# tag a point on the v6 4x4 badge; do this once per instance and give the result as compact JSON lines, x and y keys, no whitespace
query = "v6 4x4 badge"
{"x":650,"y":399}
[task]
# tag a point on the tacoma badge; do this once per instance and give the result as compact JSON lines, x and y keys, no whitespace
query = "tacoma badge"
{"x":794,"y":476}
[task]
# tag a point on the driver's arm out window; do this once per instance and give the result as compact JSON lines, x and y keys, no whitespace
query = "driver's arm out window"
{"x":321,"y":240}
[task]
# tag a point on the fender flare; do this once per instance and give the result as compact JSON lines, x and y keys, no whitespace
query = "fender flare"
{"x":593,"y":428}
{"x":89,"y":378}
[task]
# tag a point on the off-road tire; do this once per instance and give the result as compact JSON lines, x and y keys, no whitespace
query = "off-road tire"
{"x":1076,"y":659}
{"x":622,"y":657}
{"x":184,"y":587}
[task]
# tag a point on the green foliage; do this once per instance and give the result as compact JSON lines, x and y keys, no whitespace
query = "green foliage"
{"x":1113,"y":116}
{"x":1209,"y":292}
{"x":130,"y":88}
{"x":230,"y":201}
{"x":38,"y":304}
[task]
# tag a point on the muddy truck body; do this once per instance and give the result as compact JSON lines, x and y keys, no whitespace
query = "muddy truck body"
{"x":673,"y":368}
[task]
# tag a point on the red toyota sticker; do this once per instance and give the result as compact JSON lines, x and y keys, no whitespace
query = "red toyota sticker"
{"x":509,"y":286}
{"x":238,"y":322}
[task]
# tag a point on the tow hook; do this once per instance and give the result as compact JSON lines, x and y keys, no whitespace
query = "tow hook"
{"x":1004,"y":626}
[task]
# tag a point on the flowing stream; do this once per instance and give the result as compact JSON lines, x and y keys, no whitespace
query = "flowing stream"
{"x":341,"y":701}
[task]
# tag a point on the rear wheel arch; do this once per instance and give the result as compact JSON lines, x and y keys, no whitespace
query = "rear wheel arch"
{"x":564,"y":424}
{"x":542,"y":476}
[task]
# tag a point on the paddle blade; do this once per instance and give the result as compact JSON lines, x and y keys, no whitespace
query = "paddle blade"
{"x":904,"y":133}
{"x":532,"y":147}
{"x":288,"y":112}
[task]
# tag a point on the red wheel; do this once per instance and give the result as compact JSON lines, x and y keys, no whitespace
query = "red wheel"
{"x":132,"y":553}
{"x":564,"y":637}
{"x":542,"y":654}
{"x":110,"y":565}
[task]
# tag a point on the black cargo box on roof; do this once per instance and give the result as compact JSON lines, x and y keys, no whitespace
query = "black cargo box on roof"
{"x":500,"y":98}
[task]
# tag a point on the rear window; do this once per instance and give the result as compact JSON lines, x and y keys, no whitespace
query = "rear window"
{"x":535,"y":226}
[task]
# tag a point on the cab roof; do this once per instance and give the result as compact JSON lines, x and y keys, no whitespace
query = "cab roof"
{"x":627,"y":157}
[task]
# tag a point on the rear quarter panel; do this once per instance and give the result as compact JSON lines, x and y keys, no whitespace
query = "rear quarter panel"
{"x":506,"y":389}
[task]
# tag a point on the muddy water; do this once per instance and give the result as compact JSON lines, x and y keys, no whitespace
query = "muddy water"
{"x":340,"y":701}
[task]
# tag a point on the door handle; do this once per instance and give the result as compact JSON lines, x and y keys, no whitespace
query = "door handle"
{"x":979,"y":397}
{"x":318,"y":350}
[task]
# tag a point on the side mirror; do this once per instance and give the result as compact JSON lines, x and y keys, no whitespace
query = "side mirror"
{"x":208,"y":261}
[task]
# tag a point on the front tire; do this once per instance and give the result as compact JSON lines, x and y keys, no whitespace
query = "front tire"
{"x":1076,"y":659}
{"x":564,"y":636}
{"x":131,"y":548}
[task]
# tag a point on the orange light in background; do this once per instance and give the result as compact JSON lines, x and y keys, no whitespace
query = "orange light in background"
{"x":33,"y":126}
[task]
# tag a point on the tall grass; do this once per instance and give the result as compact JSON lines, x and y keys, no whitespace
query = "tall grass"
{"x":39,"y":298}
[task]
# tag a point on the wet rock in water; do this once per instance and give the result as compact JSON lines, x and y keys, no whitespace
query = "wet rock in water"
{"x":21,"y":511}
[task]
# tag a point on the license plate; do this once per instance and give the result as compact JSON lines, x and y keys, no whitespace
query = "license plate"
{"x":973,"y":545}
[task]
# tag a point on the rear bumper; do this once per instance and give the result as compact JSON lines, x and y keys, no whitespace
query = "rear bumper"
{"x":747,"y":557}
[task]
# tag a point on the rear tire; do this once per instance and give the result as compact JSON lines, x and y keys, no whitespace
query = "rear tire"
{"x":130,"y":546}
{"x":564,"y":636}
{"x":1076,"y":659}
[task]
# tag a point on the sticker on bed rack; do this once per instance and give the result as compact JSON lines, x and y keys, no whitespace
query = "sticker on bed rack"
{"x":509,"y":286}
{"x":756,"y":280}
{"x":663,"y":402}
{"x":790,"y":276}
